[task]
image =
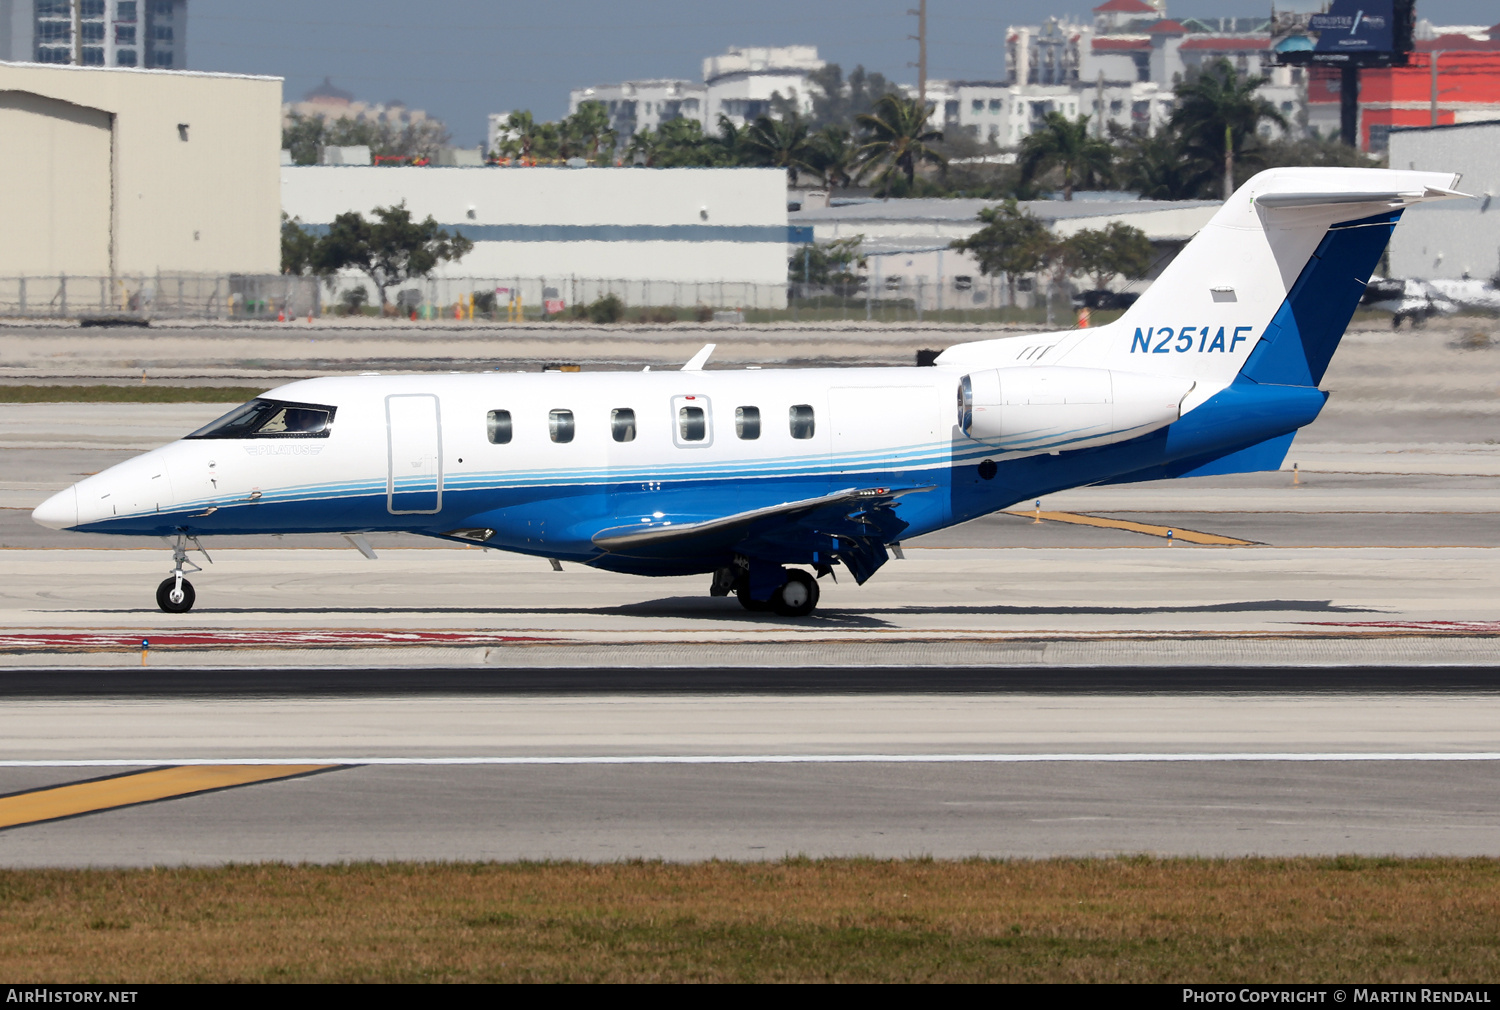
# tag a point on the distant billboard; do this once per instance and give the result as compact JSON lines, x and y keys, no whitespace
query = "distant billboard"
{"x":1361,"y":32}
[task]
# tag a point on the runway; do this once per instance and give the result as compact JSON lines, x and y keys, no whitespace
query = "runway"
{"x":1308,"y":665}
{"x":737,"y":775}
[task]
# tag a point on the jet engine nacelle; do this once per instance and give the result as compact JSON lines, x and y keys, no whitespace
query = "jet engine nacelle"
{"x":1055,"y":407}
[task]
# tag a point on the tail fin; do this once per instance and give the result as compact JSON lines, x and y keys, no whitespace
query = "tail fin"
{"x":1265,"y":290}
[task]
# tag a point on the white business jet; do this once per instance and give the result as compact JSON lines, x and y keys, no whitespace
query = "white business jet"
{"x":741,"y":473}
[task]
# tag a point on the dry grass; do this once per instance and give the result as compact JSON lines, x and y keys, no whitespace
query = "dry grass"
{"x":799,"y":920}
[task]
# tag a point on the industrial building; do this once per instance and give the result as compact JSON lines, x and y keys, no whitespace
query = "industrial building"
{"x":905,"y":243}
{"x":700,"y":236}
{"x":1452,"y":77}
{"x":114,"y":172}
{"x":1450,"y":239}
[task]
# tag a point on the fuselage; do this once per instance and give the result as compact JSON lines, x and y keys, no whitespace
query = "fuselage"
{"x":541,"y":462}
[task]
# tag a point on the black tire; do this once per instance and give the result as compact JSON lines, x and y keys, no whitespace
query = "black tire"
{"x":798,"y":596}
{"x":754,"y":606}
{"x":164,"y":596}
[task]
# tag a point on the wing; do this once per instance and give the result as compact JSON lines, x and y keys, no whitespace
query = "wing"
{"x":852,"y":525}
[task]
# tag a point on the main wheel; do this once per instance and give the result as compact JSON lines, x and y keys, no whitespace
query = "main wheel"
{"x":173,"y":602}
{"x":798,"y":597}
{"x":754,"y":606}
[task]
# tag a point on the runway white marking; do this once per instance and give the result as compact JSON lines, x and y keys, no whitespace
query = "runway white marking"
{"x":765,"y":759}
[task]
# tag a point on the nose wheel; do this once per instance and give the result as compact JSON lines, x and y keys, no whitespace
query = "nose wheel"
{"x":175,"y":595}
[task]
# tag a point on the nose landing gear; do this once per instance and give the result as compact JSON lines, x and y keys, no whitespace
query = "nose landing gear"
{"x":175,"y":594}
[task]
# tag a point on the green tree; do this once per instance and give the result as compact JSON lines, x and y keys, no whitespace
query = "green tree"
{"x":389,"y":250}
{"x":299,"y":247}
{"x":520,"y":140}
{"x":676,"y":143}
{"x":730,"y":142}
{"x":1066,"y":145}
{"x":836,"y":263}
{"x":833,"y":154}
{"x":1104,"y":253}
{"x":836,"y":101}
{"x":587,"y":134}
{"x":1218,"y":115}
{"x":780,"y":143}
{"x":1315,"y":150}
{"x":898,"y":141}
{"x":786,"y":106}
{"x":303,"y":136}
{"x":1012,"y":242}
{"x":1154,"y":166}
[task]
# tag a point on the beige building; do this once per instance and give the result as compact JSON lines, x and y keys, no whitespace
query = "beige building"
{"x":110,"y":172}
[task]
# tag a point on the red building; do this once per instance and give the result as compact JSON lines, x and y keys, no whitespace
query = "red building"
{"x":1466,"y":89}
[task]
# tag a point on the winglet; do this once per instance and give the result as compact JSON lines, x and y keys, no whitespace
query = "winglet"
{"x":697,"y":361}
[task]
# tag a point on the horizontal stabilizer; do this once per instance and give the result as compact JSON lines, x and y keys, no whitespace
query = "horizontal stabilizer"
{"x":1392,"y":199}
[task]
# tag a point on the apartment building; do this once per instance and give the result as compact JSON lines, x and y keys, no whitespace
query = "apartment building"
{"x":111,"y":33}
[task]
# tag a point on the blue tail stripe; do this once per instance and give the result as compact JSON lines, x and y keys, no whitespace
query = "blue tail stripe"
{"x":1297,"y":346}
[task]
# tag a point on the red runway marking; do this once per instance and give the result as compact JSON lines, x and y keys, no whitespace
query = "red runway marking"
{"x":1456,"y":627}
{"x":101,"y":641}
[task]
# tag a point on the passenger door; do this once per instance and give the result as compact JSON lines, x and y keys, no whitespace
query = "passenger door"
{"x":414,"y":485}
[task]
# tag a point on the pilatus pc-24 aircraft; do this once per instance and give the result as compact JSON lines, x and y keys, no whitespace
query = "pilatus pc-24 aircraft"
{"x":768,"y":479}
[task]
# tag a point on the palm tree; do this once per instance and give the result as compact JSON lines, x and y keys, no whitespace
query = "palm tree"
{"x":1153,"y":166}
{"x":1065,"y":144}
{"x":1217,"y":116}
{"x":521,"y":127}
{"x":899,"y":140}
{"x":833,"y":154}
{"x":587,"y":131}
{"x":781,"y":143}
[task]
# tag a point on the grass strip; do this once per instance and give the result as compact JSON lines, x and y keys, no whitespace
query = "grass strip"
{"x":853,"y":920}
{"x":145,"y":393}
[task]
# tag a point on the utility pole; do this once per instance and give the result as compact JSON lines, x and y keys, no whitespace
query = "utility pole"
{"x":1433,"y":57}
{"x":1349,"y":104}
{"x":77,"y":32}
{"x":921,"y":39}
{"x":1099,"y":101}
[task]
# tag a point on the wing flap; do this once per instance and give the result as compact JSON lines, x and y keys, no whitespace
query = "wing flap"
{"x":643,"y":536}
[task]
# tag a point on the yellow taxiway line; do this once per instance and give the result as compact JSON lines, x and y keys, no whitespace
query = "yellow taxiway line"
{"x":75,"y":798}
{"x":1186,"y":536}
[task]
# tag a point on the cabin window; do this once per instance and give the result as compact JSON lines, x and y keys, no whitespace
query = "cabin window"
{"x":560,"y":425}
{"x":622,"y":424}
{"x":497,"y":426}
{"x":692,"y":424}
{"x":800,"y":419}
{"x":747,"y":423}
{"x":261,"y":418}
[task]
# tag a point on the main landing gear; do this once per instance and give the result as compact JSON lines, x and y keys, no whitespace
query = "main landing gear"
{"x":797,"y":596}
{"x":175,"y":595}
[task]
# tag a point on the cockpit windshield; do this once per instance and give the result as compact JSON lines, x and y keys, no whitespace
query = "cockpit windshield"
{"x":261,"y":418}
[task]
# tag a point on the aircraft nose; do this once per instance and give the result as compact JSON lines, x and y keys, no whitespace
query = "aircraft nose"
{"x":60,"y":511}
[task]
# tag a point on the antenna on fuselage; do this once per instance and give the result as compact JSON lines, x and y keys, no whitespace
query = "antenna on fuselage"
{"x":697,"y":361}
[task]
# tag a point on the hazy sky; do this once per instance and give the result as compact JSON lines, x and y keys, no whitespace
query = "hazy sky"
{"x":462,"y":59}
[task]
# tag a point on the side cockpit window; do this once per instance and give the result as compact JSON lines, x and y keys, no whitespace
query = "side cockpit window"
{"x":261,"y":418}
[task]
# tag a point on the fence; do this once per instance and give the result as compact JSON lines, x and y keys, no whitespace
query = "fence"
{"x":184,"y":296}
{"x":535,"y":299}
